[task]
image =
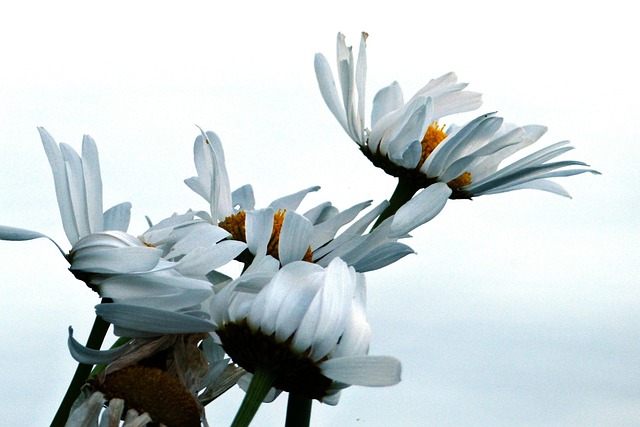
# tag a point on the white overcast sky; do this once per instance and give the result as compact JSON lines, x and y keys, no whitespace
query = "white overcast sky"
{"x":519,"y":309}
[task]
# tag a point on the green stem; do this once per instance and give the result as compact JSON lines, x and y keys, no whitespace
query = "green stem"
{"x":261,"y":382}
{"x":298,"y":411}
{"x":96,"y":337}
{"x":404,"y":191}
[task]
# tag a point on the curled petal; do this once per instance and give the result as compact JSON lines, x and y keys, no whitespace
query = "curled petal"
{"x":89,"y":356}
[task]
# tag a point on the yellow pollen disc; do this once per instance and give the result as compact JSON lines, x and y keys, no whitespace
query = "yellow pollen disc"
{"x":432,"y":138}
{"x":274,"y":241}
{"x":461,"y":181}
{"x":235,"y":224}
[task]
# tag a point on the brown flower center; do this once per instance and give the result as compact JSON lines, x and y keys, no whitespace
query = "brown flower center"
{"x":152,"y":390}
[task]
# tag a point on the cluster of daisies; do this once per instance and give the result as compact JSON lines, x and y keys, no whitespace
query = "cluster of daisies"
{"x":294,"y":319}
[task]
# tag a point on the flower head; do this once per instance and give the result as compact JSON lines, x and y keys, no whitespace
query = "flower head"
{"x":396,"y":127}
{"x":470,"y":159}
{"x":313,"y":236}
{"x":410,"y":141}
{"x":305,"y":324}
{"x":153,"y":272}
{"x":143,"y":375}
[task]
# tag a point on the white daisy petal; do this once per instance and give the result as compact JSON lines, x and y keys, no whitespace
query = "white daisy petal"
{"x":93,"y":182}
{"x":89,"y":356}
{"x":63,"y":194}
{"x":243,"y":198}
{"x":77,"y":189}
{"x":387,"y":99}
{"x":18,"y":234}
{"x":382,"y":256}
{"x":294,"y":238}
{"x":370,"y":371}
{"x":117,"y":217}
{"x":201,"y":261}
{"x":328,"y":90}
{"x":292,"y":201}
{"x":422,"y":208}
{"x":259,"y":224}
{"x":151,"y":320}
{"x":116,"y":260}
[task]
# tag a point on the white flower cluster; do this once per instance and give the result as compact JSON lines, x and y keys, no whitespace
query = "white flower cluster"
{"x":297,"y":312}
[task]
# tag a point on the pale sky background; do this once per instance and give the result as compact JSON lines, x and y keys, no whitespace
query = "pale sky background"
{"x":520,"y":309}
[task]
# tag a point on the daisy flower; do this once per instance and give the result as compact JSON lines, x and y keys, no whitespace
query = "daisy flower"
{"x":409,"y":141}
{"x":288,"y":236}
{"x":304,"y":326}
{"x":470,"y":159}
{"x":397,"y":128}
{"x":130,"y":272}
{"x":143,"y":375}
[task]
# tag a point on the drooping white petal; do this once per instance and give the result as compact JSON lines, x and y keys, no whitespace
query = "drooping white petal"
{"x":423,"y":207}
{"x":21,"y":234}
{"x":370,"y":371}
{"x":18,"y":234}
{"x":89,"y":356}
{"x":116,"y":260}
{"x":152,"y":320}
{"x":165,"y":290}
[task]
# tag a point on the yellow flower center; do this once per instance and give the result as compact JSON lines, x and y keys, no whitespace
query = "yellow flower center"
{"x":432,"y":138}
{"x":235,"y":225}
